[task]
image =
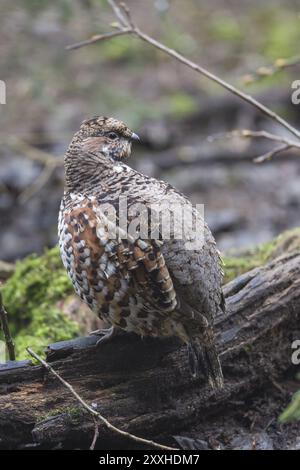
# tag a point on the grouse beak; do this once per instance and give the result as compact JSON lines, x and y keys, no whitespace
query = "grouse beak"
{"x":135,"y":137}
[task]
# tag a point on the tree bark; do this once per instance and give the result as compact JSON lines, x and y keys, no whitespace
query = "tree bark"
{"x":144,"y":386}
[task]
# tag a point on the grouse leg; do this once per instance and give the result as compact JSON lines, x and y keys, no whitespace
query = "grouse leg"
{"x":106,"y":334}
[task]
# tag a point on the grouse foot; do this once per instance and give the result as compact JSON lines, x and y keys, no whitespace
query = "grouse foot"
{"x":106,"y":334}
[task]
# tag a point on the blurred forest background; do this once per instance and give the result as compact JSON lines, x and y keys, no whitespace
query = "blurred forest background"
{"x":51,"y":90}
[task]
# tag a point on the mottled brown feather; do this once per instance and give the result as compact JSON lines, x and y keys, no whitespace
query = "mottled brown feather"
{"x":144,"y":268}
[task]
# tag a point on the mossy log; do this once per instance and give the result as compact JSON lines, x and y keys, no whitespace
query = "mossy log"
{"x":43,"y":308}
{"x":144,"y":386}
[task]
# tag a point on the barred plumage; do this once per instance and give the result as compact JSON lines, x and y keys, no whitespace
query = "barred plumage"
{"x":153,"y":286}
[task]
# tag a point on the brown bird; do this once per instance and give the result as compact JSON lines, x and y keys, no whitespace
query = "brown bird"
{"x":153,"y":285}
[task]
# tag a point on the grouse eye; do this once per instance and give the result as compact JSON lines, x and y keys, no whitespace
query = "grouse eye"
{"x":113,"y":135}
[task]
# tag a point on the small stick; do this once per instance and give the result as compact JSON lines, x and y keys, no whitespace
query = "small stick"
{"x":95,"y":413}
{"x":96,"y":435}
{"x":98,"y":37}
{"x":268,"y":71}
{"x":269,"y":155}
{"x":48,"y":160}
{"x":127,"y":14}
{"x":119,"y":12}
{"x":7,"y":335}
{"x":32,"y":153}
{"x":286,"y":143}
{"x":38,"y":184}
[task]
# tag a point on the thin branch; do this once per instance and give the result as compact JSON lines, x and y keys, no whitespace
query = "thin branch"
{"x":269,"y":136}
{"x":95,"y":413}
{"x":38,"y":183}
{"x":96,"y":434}
{"x":129,"y":27}
{"x":119,"y":13}
{"x":127,"y":13}
{"x":32,"y":153}
{"x":98,"y":37}
{"x":286,"y":143}
{"x":248,"y":133}
{"x":268,"y":71}
{"x":7,"y":335}
{"x":272,"y":153}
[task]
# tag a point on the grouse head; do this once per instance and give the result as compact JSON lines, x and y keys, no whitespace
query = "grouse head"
{"x":106,"y":137}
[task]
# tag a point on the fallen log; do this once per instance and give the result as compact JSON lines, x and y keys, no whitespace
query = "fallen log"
{"x":144,"y":386}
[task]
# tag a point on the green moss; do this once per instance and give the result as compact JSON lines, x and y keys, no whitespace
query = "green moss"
{"x":74,"y":414}
{"x":292,"y":412}
{"x":31,"y":298}
{"x":241,"y":262}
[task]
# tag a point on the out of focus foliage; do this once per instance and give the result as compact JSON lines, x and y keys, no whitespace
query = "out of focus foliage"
{"x":58,"y":88}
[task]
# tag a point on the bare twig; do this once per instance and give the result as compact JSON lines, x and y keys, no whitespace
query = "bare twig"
{"x":40,"y":156}
{"x":7,"y":335}
{"x":269,"y":136}
{"x":126,"y":12}
{"x":272,"y":153}
{"x":38,"y":184}
{"x":98,"y":37}
{"x":96,"y":434}
{"x":120,"y":12}
{"x":267,"y":71}
{"x":32,"y":153}
{"x":285,"y":143}
{"x":127,"y":26}
{"x":95,"y":414}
